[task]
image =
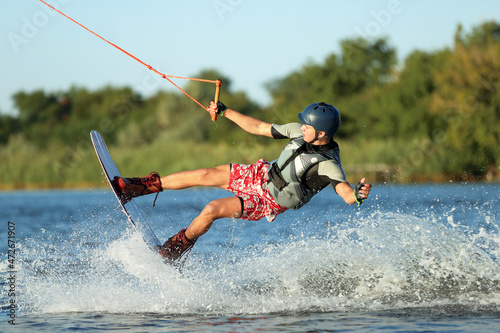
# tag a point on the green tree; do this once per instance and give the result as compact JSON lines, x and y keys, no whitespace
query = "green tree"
{"x":39,"y":113}
{"x":362,"y":65}
{"x":8,"y":126}
{"x":467,"y":97}
{"x":401,"y":109}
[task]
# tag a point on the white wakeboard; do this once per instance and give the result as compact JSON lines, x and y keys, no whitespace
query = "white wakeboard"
{"x":130,"y":208}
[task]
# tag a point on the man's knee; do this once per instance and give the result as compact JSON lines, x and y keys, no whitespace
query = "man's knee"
{"x":212,"y":209}
{"x":220,"y":208}
{"x":217,"y":176}
{"x":215,"y":171}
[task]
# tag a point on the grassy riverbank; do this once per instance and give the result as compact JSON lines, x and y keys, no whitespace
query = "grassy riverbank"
{"x":26,"y":167}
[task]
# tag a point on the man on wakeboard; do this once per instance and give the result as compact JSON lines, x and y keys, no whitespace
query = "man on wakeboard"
{"x":309,"y":162}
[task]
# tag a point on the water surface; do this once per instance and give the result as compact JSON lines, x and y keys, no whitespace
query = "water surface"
{"x":411,"y":258}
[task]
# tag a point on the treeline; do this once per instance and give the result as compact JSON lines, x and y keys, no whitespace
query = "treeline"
{"x":433,"y":117}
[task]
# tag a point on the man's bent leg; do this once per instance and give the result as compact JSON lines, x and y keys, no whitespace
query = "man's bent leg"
{"x":217,"y":209}
{"x":214,"y":177}
{"x":184,"y":240}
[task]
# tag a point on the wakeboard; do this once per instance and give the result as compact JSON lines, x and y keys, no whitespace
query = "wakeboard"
{"x":129,"y":207}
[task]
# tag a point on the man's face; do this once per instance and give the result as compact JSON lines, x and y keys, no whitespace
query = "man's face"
{"x":309,"y":133}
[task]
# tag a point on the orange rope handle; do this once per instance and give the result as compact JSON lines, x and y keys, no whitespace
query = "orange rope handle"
{"x":166,"y":77}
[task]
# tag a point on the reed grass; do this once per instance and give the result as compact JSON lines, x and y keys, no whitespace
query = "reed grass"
{"x":26,"y":166}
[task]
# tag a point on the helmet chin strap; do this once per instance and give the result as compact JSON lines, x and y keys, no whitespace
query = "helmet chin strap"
{"x":316,"y":136}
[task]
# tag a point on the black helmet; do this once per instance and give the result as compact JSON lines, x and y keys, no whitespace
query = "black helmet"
{"x":323,"y":117}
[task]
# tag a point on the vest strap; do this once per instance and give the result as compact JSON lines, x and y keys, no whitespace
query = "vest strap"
{"x":274,"y":172}
{"x":276,"y":177}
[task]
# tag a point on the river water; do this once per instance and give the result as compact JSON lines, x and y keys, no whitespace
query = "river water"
{"x":411,"y":258}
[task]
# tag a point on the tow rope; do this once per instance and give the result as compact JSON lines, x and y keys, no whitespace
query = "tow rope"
{"x":218,"y":82}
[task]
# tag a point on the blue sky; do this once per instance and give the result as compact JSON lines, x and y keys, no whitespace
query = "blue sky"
{"x":250,"y":41}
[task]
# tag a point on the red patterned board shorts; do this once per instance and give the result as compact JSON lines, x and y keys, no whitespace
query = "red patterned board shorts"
{"x":248,"y":181}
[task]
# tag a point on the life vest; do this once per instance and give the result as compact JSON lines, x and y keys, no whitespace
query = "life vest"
{"x":284,"y":177}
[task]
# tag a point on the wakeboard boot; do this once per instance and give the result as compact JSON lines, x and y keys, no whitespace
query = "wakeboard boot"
{"x":135,"y":187}
{"x":176,"y":246}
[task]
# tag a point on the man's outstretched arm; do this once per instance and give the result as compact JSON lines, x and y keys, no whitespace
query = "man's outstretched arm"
{"x":247,"y":123}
